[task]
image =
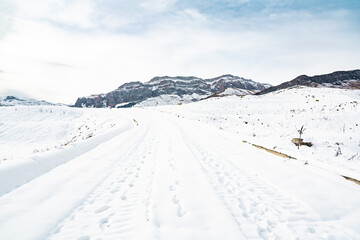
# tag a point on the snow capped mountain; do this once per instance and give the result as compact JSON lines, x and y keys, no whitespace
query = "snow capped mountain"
{"x":15,"y":101}
{"x":168,"y":90}
{"x":221,"y":83}
{"x":234,"y":92}
{"x":340,"y":79}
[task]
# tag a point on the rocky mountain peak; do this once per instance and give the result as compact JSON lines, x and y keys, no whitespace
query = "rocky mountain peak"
{"x":167,"y":78}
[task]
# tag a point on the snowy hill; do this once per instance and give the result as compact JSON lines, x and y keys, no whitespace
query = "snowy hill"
{"x":27,"y":130}
{"x":191,"y":171}
{"x":17,"y":101}
{"x":175,"y":89}
{"x":331,"y":117}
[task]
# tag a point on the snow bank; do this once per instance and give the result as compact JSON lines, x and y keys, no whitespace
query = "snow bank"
{"x":35,"y":140}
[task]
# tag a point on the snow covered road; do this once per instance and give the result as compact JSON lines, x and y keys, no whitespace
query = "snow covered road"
{"x":171,"y":178}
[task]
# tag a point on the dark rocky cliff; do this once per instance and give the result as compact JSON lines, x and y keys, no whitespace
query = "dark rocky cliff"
{"x":132,"y":93}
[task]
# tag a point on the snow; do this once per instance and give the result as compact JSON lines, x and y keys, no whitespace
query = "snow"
{"x":37,"y":129}
{"x":330,"y":116}
{"x":237,"y":92}
{"x":170,"y":100}
{"x":22,"y":101}
{"x":36,"y":139}
{"x":181,"y":80}
{"x":183,"y":172}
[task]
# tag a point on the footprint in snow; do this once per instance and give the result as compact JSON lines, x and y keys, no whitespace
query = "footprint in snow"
{"x":123,"y":197}
{"x":103,"y":222}
{"x":121,"y":180}
{"x":311,"y":230}
{"x":221,"y":180}
{"x":84,"y":238}
{"x":102,"y":209}
{"x":180,"y":212}
{"x":115,"y":190}
{"x":175,"y":199}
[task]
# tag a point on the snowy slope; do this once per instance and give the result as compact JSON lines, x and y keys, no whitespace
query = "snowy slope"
{"x":28,"y":130}
{"x":235,"y":92}
{"x":35,"y":139}
{"x":184,"y":172}
{"x":170,"y":100}
{"x":330,"y":116}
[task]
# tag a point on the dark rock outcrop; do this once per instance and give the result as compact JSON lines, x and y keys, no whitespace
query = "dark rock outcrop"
{"x":340,"y":79}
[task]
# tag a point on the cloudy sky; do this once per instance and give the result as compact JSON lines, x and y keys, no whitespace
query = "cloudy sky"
{"x":59,"y":50}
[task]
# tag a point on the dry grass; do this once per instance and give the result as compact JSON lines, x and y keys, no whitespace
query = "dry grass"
{"x":289,"y":157}
{"x":274,"y":152}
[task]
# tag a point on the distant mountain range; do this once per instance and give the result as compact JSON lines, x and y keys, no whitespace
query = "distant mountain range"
{"x":18,"y":101}
{"x":177,"y":90}
{"x":170,"y":90}
{"x":340,"y":79}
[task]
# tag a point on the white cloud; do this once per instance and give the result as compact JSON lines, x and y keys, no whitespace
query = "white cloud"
{"x":68,"y":13}
{"x":241,"y":1}
{"x":46,"y":60}
{"x":195,"y":15}
{"x":157,"y":5}
{"x":76,"y":14}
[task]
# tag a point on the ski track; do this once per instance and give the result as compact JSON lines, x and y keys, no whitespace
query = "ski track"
{"x":129,"y":202}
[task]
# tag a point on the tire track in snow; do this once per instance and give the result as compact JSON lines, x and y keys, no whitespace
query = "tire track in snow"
{"x":185,"y":205}
{"x":260,"y":210}
{"x":120,"y":204}
{"x":174,"y":183}
{"x":167,"y":203}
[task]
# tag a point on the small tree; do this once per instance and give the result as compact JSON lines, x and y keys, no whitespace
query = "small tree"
{"x":338,"y":152}
{"x":300,"y":131}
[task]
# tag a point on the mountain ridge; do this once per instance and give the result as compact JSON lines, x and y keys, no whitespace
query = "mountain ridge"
{"x":186,"y":89}
{"x":338,"y":79}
